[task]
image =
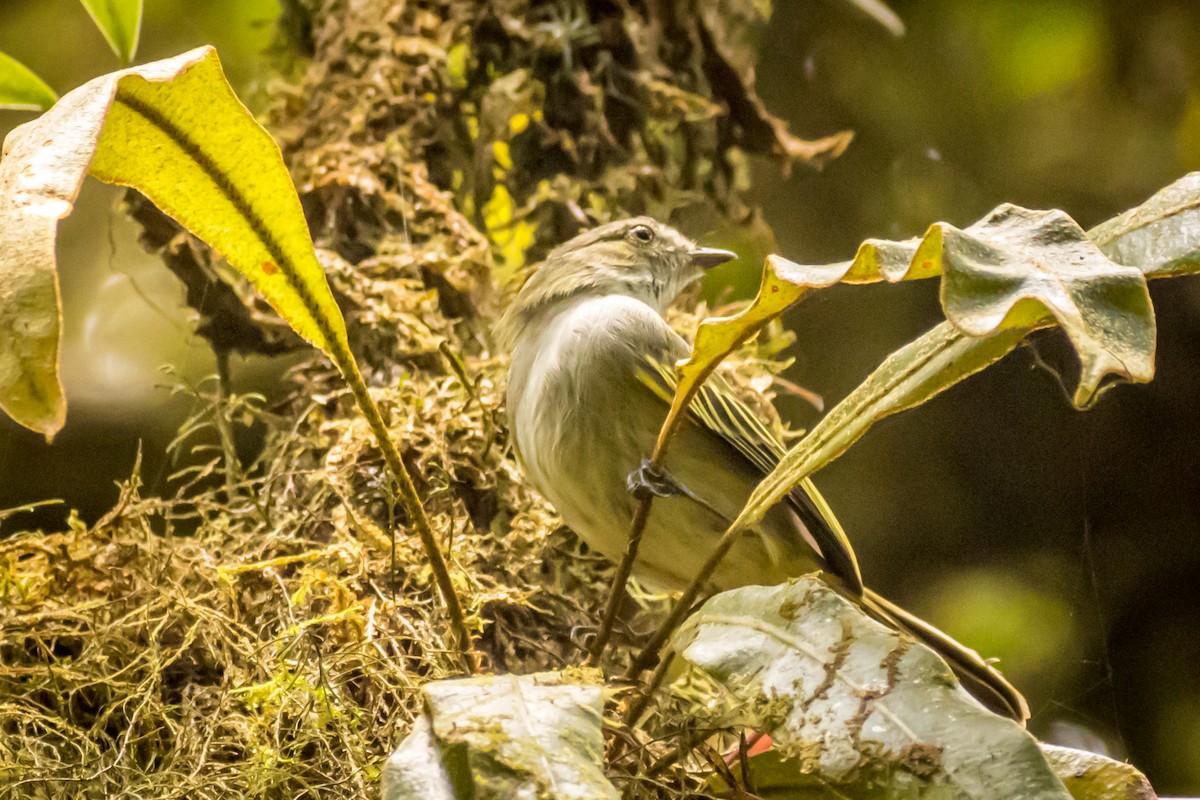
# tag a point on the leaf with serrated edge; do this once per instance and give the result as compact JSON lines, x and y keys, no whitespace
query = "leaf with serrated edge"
{"x":1161,"y":237}
{"x":175,"y":131}
{"x":855,"y":703}
{"x":1015,"y":265}
{"x":21,"y":89}
{"x":120,"y":21}
{"x":1015,"y":268}
{"x":499,"y":737}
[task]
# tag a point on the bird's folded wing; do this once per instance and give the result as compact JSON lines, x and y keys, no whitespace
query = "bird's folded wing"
{"x":720,"y":411}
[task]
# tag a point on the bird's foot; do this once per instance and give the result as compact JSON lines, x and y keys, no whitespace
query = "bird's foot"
{"x":649,"y":479}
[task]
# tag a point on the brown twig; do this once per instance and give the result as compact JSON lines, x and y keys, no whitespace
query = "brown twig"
{"x":638,"y":706}
{"x":684,"y":604}
{"x":679,"y":404}
{"x":638,"y":526}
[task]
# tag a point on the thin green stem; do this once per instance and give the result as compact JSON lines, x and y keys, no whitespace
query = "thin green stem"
{"x":415,"y":511}
{"x":224,"y":407}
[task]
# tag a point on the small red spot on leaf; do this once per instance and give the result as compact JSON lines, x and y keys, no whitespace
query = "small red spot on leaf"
{"x":269,"y":267}
{"x":774,"y":289}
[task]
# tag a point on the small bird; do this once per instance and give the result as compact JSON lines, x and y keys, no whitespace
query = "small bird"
{"x":589,"y":384}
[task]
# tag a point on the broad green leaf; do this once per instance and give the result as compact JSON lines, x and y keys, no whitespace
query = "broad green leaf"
{"x":21,"y":89}
{"x":175,"y":131}
{"x":502,"y":737}
{"x":1161,"y":237}
{"x":1015,"y":268}
{"x":190,"y":146}
{"x":120,"y":21}
{"x":1089,"y":776}
{"x":856,"y":706}
{"x":908,"y":377}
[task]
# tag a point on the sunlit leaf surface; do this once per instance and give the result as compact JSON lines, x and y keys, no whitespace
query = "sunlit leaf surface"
{"x":192,"y":147}
{"x":175,"y":131}
{"x":501,"y":737}
{"x":854,"y":706}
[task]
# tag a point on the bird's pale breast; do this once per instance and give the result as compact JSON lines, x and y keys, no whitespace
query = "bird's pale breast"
{"x":582,"y":421}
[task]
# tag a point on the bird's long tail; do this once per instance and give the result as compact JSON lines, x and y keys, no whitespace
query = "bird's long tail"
{"x":979,"y":677}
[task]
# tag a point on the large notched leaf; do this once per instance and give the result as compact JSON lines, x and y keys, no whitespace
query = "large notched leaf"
{"x":1015,"y":266}
{"x":1161,"y":237}
{"x":536,"y":736}
{"x":175,"y":131}
{"x":21,"y":89}
{"x":1089,"y":776}
{"x":908,"y":377}
{"x":120,"y":21}
{"x":856,"y":706}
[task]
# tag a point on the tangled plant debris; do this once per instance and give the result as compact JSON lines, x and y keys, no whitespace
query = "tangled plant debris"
{"x":261,"y":630}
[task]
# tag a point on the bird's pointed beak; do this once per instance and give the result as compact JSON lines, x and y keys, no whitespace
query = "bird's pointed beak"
{"x":709,"y":257}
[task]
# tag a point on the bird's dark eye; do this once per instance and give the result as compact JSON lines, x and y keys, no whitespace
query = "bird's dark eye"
{"x":642,"y":233}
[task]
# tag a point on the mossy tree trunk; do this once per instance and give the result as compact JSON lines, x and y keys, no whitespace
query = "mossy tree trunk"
{"x":261,"y":631}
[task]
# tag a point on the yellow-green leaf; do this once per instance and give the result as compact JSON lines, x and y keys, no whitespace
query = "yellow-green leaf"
{"x":190,"y":146}
{"x":1161,"y":237}
{"x":175,"y":131}
{"x":1013,"y":268}
{"x":908,"y":377}
{"x":120,"y":21}
{"x":21,"y":89}
{"x":1089,"y":776}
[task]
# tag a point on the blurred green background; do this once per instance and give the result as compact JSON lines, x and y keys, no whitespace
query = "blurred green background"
{"x":1064,"y":541}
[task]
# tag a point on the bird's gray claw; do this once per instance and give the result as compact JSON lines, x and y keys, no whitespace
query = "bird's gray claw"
{"x":648,"y":479}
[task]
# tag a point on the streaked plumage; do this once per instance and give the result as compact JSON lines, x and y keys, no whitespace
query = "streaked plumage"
{"x":589,"y":386}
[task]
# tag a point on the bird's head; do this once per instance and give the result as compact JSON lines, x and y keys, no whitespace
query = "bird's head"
{"x":638,"y":257}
